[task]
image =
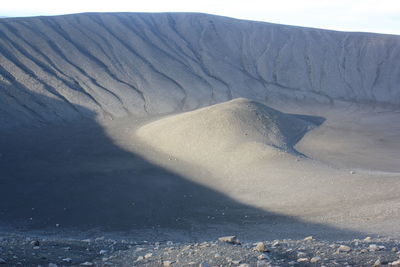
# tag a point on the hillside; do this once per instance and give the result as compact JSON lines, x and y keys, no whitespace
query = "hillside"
{"x":115,"y":64}
{"x":237,"y":129}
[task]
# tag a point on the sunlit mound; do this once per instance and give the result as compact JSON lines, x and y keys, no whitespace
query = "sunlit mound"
{"x":240,"y":128}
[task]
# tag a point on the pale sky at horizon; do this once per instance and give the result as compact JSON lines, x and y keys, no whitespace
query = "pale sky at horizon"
{"x":382,"y":16}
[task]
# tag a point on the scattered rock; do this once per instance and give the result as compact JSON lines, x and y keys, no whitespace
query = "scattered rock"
{"x":373,"y":247}
{"x":263,"y":257}
{"x":101,"y":238}
{"x":244,"y":265}
{"x":308,"y":238}
{"x":204,"y":245}
{"x":35,"y":243}
{"x":67,"y":260}
{"x":301,"y":254}
{"x":260,"y":247}
{"x":395,"y":249}
{"x":229,"y":239}
{"x":276,"y":244}
{"x":315,"y":259}
{"x":344,"y":248}
{"x":214,"y":253}
{"x":167,"y":263}
{"x":367,"y":239}
{"x":302,"y":260}
{"x":263,"y":264}
{"x":204,"y":264}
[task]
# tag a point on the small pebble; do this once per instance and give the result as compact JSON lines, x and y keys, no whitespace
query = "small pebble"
{"x":301,"y":255}
{"x":315,"y":259}
{"x":229,"y":239}
{"x":260,"y":247}
{"x":373,"y":247}
{"x":276,"y":243}
{"x":35,"y":243}
{"x":67,"y":260}
{"x":262,"y":257}
{"x":302,"y":260}
{"x":343,"y":248}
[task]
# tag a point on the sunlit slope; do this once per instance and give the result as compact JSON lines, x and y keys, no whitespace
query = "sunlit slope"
{"x":237,"y":129}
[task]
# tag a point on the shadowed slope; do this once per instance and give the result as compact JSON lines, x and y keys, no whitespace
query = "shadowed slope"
{"x":132,"y":63}
{"x":76,"y":176}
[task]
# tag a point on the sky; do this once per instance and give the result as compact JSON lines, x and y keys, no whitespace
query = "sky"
{"x":382,"y":16}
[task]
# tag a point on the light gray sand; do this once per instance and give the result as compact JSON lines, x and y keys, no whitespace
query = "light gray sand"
{"x":102,"y":176}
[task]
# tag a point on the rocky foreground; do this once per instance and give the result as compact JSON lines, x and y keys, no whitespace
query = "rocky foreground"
{"x":225,"y":251}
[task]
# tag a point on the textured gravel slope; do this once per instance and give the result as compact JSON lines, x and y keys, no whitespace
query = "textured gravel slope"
{"x":132,"y":63}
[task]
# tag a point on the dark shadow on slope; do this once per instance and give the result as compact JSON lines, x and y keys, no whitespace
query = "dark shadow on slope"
{"x":315,"y":121}
{"x":75,"y":176}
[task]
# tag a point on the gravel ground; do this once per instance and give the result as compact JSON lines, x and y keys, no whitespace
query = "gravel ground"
{"x":16,"y":250}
